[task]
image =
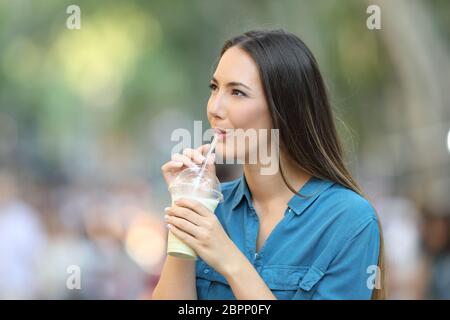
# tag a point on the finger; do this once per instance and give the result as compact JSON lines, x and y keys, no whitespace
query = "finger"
{"x":194,"y":155}
{"x":172,"y":165}
{"x":183,"y":225}
{"x":182,"y":158}
{"x":183,"y":236}
{"x":184,"y":213}
{"x":203,"y":149}
{"x":211,"y":160}
{"x":194,"y":205}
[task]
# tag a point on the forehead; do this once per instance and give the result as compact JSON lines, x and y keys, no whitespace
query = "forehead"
{"x":237,"y":65}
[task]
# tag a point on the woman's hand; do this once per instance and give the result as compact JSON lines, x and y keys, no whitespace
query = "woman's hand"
{"x":199,"y":228}
{"x":189,"y":158}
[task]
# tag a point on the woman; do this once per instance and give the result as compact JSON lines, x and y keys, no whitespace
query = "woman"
{"x":305,"y":232}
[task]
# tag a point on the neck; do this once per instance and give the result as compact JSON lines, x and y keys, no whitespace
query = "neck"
{"x":266,"y":189}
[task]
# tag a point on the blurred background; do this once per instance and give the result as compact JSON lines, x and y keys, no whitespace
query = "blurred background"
{"x":86,"y":117}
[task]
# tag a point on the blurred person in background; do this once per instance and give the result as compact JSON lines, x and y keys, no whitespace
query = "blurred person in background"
{"x":88,"y":233}
{"x":436,"y":242}
{"x":404,"y":257}
{"x":22,"y":241}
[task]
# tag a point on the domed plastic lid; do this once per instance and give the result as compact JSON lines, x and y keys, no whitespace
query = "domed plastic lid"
{"x":191,"y":182}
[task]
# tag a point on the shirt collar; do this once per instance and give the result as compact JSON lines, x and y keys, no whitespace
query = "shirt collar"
{"x":242,"y":191}
{"x":308,"y":193}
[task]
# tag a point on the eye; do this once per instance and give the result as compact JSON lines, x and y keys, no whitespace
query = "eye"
{"x":238,"y":93}
{"x":212,"y":86}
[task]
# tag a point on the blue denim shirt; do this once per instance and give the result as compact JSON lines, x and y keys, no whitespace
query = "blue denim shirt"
{"x":321,"y":249}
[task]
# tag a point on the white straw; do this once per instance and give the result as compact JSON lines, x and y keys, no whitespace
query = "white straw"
{"x":208,"y":155}
{"x":210,"y":151}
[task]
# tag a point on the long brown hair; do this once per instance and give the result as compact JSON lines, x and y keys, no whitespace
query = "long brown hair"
{"x":301,"y":111}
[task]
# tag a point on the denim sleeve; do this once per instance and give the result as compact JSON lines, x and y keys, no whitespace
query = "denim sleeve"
{"x":350,"y":274}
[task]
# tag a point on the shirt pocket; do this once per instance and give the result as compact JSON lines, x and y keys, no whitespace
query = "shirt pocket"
{"x":291,"y":282}
{"x":285,"y":282}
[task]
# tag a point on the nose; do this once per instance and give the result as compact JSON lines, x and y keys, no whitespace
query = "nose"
{"x":216,"y":106}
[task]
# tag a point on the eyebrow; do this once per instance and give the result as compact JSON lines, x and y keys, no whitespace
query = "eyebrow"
{"x":233,"y":83}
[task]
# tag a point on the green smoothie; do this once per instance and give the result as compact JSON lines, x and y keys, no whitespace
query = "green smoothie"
{"x":176,"y":247}
{"x":193,"y":183}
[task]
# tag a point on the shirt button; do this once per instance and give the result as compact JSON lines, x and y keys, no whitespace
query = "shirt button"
{"x":206,"y":271}
{"x":256,"y":255}
{"x":290,"y":210}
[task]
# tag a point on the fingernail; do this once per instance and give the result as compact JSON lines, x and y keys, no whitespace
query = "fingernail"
{"x":166,"y":208}
{"x":202,"y":158}
{"x":169,"y":226}
{"x":166,"y":216}
{"x":179,"y":163}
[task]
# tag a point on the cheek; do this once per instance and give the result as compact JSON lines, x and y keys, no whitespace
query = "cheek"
{"x":251,"y":115}
{"x":245,"y":116}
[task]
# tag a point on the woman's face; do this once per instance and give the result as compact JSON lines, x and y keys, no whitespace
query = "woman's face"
{"x":237,"y":101}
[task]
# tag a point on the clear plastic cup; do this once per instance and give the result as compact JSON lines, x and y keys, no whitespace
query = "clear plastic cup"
{"x":190,"y":184}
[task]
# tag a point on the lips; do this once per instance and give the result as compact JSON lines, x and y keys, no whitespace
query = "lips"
{"x":222,"y":132}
